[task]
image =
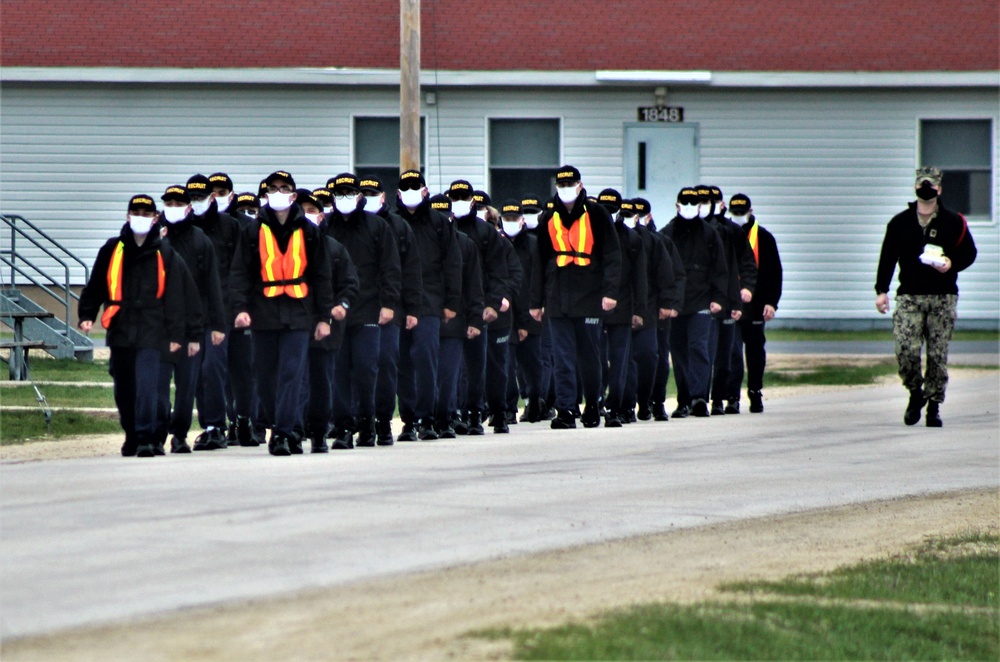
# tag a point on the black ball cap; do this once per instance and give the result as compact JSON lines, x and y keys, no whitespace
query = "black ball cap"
{"x":441,"y":203}
{"x":739,"y":204}
{"x":199,"y":185}
{"x":371,"y":184}
{"x":142,"y":201}
{"x":610,"y":199}
{"x":567,"y":174}
{"x":279,"y":174}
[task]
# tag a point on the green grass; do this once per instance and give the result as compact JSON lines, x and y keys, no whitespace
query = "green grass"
{"x":958,"y":578}
{"x":832,"y":374}
{"x":832,"y":336}
{"x":63,"y":370}
{"x":58,"y":396}
{"x":18,"y":427}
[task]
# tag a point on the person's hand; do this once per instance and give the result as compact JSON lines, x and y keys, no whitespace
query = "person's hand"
{"x":674,"y":313}
{"x":636,"y":322}
{"x":714,"y":308}
{"x":665,"y":313}
{"x":217,"y":338}
{"x":882,"y":303}
{"x":242,"y":321}
{"x":746,"y":295}
{"x":385,"y":316}
{"x":193,"y":348}
{"x":86,"y":325}
{"x":449,"y":314}
{"x":768,"y":312}
{"x":411,"y":322}
{"x":946,"y":266}
{"x":472,"y":332}
{"x":536,"y":313}
{"x":322,"y":330}
{"x":736,"y":315}
{"x":489,"y":314}
{"x":174,"y":346}
{"x":504,"y":305}
{"x":338,"y":313}
{"x":522,"y":334}
{"x":608,"y":304}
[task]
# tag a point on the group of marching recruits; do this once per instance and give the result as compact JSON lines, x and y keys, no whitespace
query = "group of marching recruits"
{"x":312,"y":314}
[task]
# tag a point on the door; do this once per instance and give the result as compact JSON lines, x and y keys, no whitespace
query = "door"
{"x":660,"y":160}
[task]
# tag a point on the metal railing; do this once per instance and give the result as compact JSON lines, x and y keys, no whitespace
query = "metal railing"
{"x":10,"y":257}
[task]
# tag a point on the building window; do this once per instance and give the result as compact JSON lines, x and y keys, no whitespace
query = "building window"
{"x":376,"y":150}
{"x":524,"y":155}
{"x":962,"y":149}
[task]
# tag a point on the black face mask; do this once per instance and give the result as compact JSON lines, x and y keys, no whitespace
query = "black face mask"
{"x":926,"y":191}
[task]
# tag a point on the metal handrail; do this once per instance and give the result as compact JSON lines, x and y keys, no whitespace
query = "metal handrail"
{"x":11,"y":221}
{"x":31,"y":279}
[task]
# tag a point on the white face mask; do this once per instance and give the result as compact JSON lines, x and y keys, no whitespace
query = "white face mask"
{"x":738,"y":218}
{"x":481,"y":213}
{"x":279,"y":201}
{"x":411,"y":198}
{"x":373,"y":202}
{"x":568,"y":194}
{"x":224,"y":202}
{"x":140,"y":224}
{"x":642,"y":221}
{"x":718,"y":208}
{"x":315,"y":219}
{"x":175,"y":214}
{"x":531,"y":221}
{"x":461,"y":208}
{"x":511,"y":228}
{"x":201,"y":207}
{"x":688,"y":211}
{"x":252,"y":213}
{"x":346,"y":205}
{"x":704,"y":210}
{"x":629,"y":221}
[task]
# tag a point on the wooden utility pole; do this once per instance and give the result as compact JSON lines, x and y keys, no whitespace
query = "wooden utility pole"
{"x":409,"y":85}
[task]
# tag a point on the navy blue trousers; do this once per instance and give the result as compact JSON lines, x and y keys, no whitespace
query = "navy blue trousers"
{"x":419,"y":349}
{"x":136,"y":375}
{"x":754,"y":340}
{"x":546,"y":380}
{"x":279,"y":361}
{"x":576,"y":346}
{"x":474,"y":352}
{"x":619,"y":343}
{"x":388,"y":371}
{"x":497,"y":355}
{"x":659,"y":393}
{"x":449,"y":368}
{"x":642,"y":368}
{"x":241,"y":391}
{"x":721,"y":357}
{"x":689,"y":343}
{"x":211,"y":393}
{"x":354,"y":375}
{"x":184,"y":371}
{"x":317,"y":390}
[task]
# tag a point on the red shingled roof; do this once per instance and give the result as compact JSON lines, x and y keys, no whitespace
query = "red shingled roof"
{"x":715,"y":35}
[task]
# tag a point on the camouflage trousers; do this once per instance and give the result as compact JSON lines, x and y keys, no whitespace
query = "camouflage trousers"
{"x":919,"y":319}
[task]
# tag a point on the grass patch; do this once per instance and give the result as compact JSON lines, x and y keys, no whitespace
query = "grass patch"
{"x":955,"y":571}
{"x":959,"y":576}
{"x":19,"y":427}
{"x":58,"y":396}
{"x":886,"y":335}
{"x":832,"y":374}
{"x":64,"y":370}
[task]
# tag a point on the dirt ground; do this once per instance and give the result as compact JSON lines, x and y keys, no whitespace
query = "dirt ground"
{"x":427,"y":616}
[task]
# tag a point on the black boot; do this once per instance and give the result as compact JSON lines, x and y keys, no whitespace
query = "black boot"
{"x":383,"y":432}
{"x":659,"y":412}
{"x":611,"y":420}
{"x":179,"y":445}
{"x":278,"y":445}
{"x":425,"y":430}
{"x":408,"y":433}
{"x":718,"y":409}
{"x":591,"y":417}
{"x":682,"y":411}
{"x":733,"y":407}
{"x":461,"y":423}
{"x":343,"y":439}
{"x":475,"y":427}
{"x":912,"y":414}
{"x":319,"y":444}
{"x":934,"y":415}
{"x":245,"y":435}
{"x":756,"y":402}
{"x":366,"y":432}
{"x":564,"y":420}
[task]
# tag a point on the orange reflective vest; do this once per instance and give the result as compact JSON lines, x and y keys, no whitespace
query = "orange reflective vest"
{"x":752,"y":237}
{"x":115,"y":278}
{"x":283,"y":273}
{"x":574,"y":245}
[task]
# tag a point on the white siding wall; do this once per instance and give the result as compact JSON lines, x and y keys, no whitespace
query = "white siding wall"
{"x":825,"y":169}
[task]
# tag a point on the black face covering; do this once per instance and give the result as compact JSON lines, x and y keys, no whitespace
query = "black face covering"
{"x":926,"y":191}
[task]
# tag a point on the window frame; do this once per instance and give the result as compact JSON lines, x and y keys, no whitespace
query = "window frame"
{"x":981,"y":220}
{"x":488,"y":161}
{"x":352,"y":143}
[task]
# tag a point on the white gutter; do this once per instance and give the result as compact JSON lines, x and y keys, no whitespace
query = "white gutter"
{"x":430,"y":78}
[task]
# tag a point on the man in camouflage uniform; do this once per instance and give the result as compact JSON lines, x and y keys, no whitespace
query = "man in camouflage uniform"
{"x":931,"y":244}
